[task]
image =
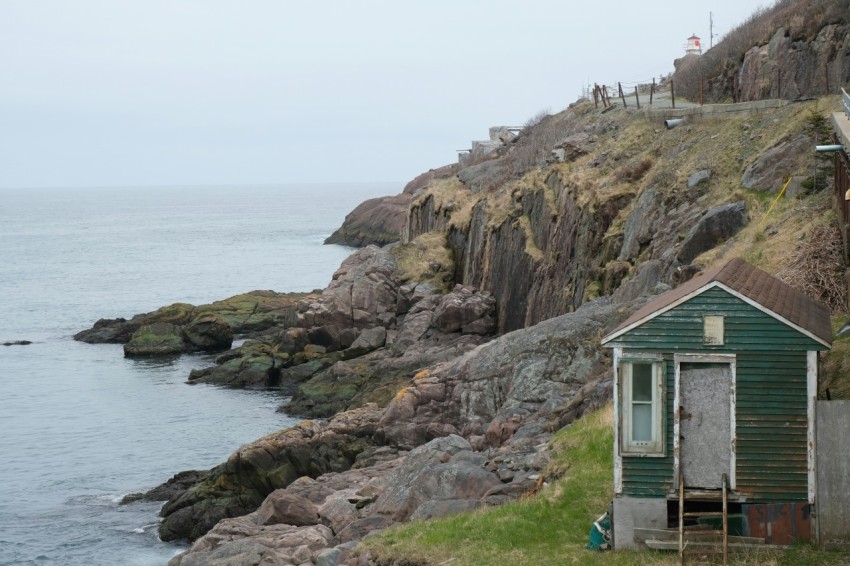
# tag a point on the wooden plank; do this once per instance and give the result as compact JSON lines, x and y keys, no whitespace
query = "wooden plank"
{"x":674,"y":545}
{"x":764,"y":411}
{"x":769,"y":447}
{"x":642,"y":535}
{"x":773,"y":418}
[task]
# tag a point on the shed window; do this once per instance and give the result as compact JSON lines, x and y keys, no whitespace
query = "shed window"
{"x":643,"y":407}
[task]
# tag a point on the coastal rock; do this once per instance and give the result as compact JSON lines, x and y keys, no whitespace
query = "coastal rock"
{"x":109,"y":331}
{"x":250,"y":474}
{"x":520,"y":373}
{"x":246,"y":314}
{"x":429,"y":474}
{"x":158,"y":339}
{"x":510,"y":391}
{"x":422,"y":180}
{"x":462,"y":308}
{"x":376,"y":221}
{"x":244,"y":542}
{"x":369,"y":340}
{"x":178,"y":484}
{"x":288,"y":509}
{"x":17,"y":343}
{"x":208,"y":333}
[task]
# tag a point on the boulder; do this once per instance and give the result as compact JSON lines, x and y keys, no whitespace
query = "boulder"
{"x":699,"y":177}
{"x":108,"y":331}
{"x":368,"y":340}
{"x":359,"y":528}
{"x":770,"y":170}
{"x":428,"y":474}
{"x":362,"y":289}
{"x":717,"y":225}
{"x":209,"y":333}
{"x":158,"y":339}
{"x":288,"y":509}
{"x":482,"y":175}
{"x":242,"y":541}
{"x":462,"y":307}
{"x":178,"y":484}
{"x":644,"y":281}
{"x":572,"y":147}
{"x":250,"y":474}
{"x":375,"y":221}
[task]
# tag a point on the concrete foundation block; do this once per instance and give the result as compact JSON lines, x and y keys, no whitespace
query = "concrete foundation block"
{"x":636,"y":512}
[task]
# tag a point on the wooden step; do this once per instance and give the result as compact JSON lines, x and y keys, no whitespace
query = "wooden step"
{"x":674,"y":545}
{"x":697,"y":535}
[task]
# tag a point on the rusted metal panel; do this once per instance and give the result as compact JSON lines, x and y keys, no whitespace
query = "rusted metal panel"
{"x":779,"y":523}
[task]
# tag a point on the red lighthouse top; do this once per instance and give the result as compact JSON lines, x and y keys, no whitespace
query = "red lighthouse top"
{"x":693,"y":47}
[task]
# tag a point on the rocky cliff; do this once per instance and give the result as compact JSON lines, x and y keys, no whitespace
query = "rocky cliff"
{"x":614,"y":205}
{"x":793,"y":50}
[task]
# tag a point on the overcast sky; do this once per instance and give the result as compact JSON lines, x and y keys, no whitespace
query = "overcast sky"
{"x":170,"y":92}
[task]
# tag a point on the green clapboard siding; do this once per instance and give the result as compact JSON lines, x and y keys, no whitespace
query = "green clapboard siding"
{"x":771,"y":404}
{"x":747,"y":329}
{"x":772,"y":425}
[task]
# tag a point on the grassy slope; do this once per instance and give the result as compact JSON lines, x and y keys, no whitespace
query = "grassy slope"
{"x":551,"y":527}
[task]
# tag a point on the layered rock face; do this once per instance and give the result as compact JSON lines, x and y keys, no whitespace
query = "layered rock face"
{"x":793,"y":68}
{"x":556,"y":249}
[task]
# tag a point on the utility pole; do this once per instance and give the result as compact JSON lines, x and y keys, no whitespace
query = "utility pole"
{"x":711,"y":33}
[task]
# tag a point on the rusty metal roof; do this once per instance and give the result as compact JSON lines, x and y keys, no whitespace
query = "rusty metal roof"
{"x":772,"y":295}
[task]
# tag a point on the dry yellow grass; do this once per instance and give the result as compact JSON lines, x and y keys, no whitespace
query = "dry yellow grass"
{"x":426,"y":260}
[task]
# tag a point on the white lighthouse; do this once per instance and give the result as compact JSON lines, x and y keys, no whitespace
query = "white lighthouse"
{"x":693,"y":46}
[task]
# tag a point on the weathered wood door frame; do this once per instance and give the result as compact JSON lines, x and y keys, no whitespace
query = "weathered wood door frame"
{"x":678,"y":360}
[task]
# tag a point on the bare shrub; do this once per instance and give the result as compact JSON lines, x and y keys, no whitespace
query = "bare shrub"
{"x":536,"y":119}
{"x":538,"y":138}
{"x":817,"y":268}
{"x":633,"y":171}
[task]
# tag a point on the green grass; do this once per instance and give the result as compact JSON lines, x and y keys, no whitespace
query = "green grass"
{"x":550,"y":528}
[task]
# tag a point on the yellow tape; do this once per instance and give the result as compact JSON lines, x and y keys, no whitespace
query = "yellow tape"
{"x":779,"y":196}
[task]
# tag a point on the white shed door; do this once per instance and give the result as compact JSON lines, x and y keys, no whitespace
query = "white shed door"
{"x":704,"y":423}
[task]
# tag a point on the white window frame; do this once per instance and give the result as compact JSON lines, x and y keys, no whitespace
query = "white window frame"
{"x":655,"y":446}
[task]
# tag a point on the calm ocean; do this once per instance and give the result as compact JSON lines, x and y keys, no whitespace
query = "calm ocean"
{"x":80,"y":425}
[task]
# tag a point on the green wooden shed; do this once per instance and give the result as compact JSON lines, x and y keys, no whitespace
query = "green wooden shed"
{"x":715,"y":385}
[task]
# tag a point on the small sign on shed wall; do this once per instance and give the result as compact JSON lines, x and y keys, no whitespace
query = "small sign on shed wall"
{"x":713,"y":330}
